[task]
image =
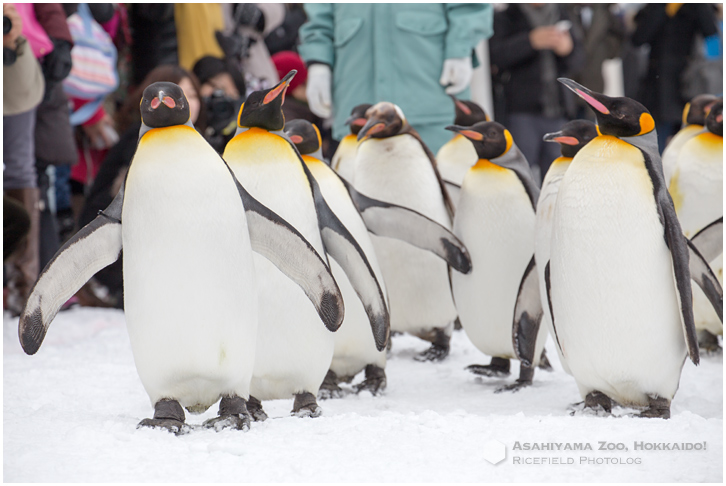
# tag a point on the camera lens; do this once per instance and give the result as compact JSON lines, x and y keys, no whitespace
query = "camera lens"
{"x":7,"y":25}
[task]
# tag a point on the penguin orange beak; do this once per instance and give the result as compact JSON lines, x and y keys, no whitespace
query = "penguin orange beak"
{"x":167,"y":100}
{"x":560,"y":138}
{"x":371,"y":127}
{"x":280,"y":88}
{"x":356,"y":121}
{"x":465,"y":131}
{"x":596,"y":100}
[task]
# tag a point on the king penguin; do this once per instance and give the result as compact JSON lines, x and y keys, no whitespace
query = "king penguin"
{"x":294,"y":349}
{"x":697,"y":191}
{"x":495,"y":220}
{"x":618,"y":280}
{"x":694,"y":119}
{"x":344,"y":158}
{"x":572,"y":137}
{"x":394,"y":165}
{"x":455,"y":157}
{"x":187,"y":228}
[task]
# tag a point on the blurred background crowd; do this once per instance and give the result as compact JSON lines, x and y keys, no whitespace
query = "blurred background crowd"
{"x":74,"y":75}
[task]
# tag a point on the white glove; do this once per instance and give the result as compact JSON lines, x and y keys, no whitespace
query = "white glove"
{"x":456,"y":74}
{"x":318,"y":90}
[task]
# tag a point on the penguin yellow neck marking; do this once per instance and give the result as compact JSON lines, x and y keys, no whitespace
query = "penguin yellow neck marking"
{"x":167,"y":134}
{"x":711,"y":140}
{"x":310,"y":160}
{"x":258,"y":145}
{"x":686,"y":109}
{"x":562,"y":160}
{"x":487,"y":165}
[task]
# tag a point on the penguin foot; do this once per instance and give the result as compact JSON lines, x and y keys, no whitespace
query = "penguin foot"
{"x":233,"y":414}
{"x":544,"y":363}
{"x":457,"y":325}
{"x":498,"y":367}
{"x":254,"y":408}
{"x":708,"y":342}
{"x":597,"y":399}
{"x":658,"y":407}
{"x":329,"y":388}
{"x":375,"y":381}
{"x":305,"y":405}
{"x":436,"y":352}
{"x":525,"y":379}
{"x":169,"y":415}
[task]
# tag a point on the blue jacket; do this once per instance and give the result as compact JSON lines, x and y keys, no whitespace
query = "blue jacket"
{"x":392,"y":52}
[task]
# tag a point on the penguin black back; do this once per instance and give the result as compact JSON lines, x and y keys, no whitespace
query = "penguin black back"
{"x":163,"y":104}
{"x":714,"y":120}
{"x":357,"y":118}
{"x":574,"y":135}
{"x":468,"y":113}
{"x":263,"y":109}
{"x":621,"y":117}
{"x":696,"y":110}
{"x":304,"y":135}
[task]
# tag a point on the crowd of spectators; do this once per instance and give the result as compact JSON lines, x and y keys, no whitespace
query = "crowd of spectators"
{"x":74,"y":73}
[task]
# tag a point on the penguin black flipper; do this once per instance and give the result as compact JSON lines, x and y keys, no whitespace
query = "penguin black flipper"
{"x":393,"y":221}
{"x":278,"y":241}
{"x":709,"y":241}
{"x":527,"y":315}
{"x":549,"y":304}
{"x":703,"y":275}
{"x":95,"y":246}
{"x":345,"y":250}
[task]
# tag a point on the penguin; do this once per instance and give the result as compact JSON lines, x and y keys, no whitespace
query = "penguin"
{"x":354,"y":348}
{"x":455,"y":157}
{"x":293,"y":350}
{"x":697,"y":191}
{"x":694,"y":119}
{"x":187,"y":229}
{"x":344,"y":157}
{"x":618,"y":279}
{"x":394,"y":165}
{"x":495,"y":220}
{"x":572,"y":137}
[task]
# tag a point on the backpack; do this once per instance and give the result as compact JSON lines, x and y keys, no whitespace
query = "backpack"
{"x":94,"y":74}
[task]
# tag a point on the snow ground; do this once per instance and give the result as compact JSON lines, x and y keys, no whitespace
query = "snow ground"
{"x":70,"y":414}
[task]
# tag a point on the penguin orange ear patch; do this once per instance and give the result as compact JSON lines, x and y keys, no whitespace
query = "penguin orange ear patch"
{"x":647,"y":124}
{"x":472,"y":135}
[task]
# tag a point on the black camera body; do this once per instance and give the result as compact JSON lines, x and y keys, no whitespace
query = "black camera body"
{"x":7,"y":25}
{"x":221,"y":119}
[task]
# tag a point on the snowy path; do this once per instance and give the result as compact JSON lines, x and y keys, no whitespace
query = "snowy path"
{"x":70,"y":414}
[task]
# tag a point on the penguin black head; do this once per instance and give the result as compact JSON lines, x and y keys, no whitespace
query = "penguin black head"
{"x":468,"y":113}
{"x":573,"y":136}
{"x":304,"y":135}
{"x":714,"y":120}
{"x":490,"y":139}
{"x":357,"y":118}
{"x":263,"y":109}
{"x":695,"y":111}
{"x":384,"y":120}
{"x":621,"y":117}
{"x":163,"y":104}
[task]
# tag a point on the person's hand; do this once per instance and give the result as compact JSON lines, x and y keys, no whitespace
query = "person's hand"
{"x":550,"y":37}
{"x":10,"y":39}
{"x":456,"y":74}
{"x":102,"y":133}
{"x":318,"y":90}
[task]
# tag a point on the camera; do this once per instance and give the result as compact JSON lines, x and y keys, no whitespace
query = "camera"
{"x":7,"y":25}
{"x":221,"y":119}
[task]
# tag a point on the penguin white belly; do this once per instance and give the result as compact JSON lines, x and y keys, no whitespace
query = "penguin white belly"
{"x":344,"y":158}
{"x":397,"y":170}
{"x":454,"y":160}
{"x":294,"y":349}
{"x":495,"y":221}
{"x":355,"y":347}
{"x":673,"y":150}
{"x":615,"y":305}
{"x":543,"y":235}
{"x":190,"y":295}
{"x":697,"y":192}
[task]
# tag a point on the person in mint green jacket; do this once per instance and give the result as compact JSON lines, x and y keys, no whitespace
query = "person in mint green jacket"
{"x":411,"y":54}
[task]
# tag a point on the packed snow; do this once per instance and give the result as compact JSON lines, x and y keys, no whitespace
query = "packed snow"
{"x":70,"y":415}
